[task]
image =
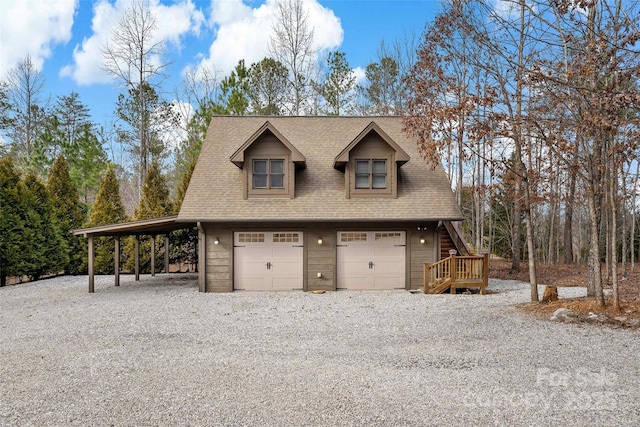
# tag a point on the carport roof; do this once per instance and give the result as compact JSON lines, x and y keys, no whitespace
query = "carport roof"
{"x":145,"y":226}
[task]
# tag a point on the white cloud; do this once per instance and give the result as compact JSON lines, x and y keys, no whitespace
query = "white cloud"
{"x":173,"y":22}
{"x":228,"y":11}
{"x":51,"y":20}
{"x":243,"y":32}
{"x":505,"y":8}
{"x":510,"y":9}
{"x":360,"y":75}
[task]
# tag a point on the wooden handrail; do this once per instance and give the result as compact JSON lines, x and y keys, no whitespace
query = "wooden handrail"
{"x":457,"y":271}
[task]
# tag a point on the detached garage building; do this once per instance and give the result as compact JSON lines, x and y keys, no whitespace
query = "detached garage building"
{"x":314,"y":203}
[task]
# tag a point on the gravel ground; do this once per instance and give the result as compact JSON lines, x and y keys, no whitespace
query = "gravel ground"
{"x":158,"y":353}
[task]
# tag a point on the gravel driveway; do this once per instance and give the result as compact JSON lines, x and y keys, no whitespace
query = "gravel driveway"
{"x":157,"y":352}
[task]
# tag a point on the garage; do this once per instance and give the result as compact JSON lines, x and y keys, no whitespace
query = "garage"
{"x":371,"y":260}
{"x":268,"y":261}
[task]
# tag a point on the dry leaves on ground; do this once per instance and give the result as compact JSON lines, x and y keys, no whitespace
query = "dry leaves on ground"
{"x":565,"y":275}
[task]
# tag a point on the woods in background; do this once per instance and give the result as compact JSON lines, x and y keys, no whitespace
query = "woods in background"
{"x":531,"y":106}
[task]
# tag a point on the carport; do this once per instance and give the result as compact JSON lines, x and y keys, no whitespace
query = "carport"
{"x":146,"y":227}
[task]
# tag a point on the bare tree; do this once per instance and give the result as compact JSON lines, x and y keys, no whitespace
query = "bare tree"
{"x":134,"y":57}
{"x":292,"y":45}
{"x":24,"y":87}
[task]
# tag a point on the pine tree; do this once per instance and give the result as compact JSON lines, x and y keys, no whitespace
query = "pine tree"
{"x":87,"y":162}
{"x":68,"y":213}
{"x":338,"y":88}
{"x":182,"y":190}
{"x":153,"y":203}
{"x":183,"y":242}
{"x":12,"y":221}
{"x":48,"y":250}
{"x":107,"y":209}
{"x":155,"y":195}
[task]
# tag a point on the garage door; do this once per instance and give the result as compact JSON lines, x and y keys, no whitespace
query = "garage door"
{"x":267,"y":261}
{"x":371,"y":259}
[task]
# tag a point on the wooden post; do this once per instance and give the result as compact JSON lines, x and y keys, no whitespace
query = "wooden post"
{"x":153,"y":255}
{"x":116,"y":261}
{"x":137,"y":259}
{"x":166,"y":253}
{"x":91,"y":256}
{"x":486,"y":273}
{"x":452,"y":270}
{"x":426,"y":277}
{"x":452,"y":267}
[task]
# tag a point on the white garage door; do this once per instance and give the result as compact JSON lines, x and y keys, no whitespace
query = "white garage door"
{"x":371,"y":259}
{"x":267,"y":261}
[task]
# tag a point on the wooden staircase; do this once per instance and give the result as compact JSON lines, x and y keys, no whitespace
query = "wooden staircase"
{"x":451,"y":238}
{"x":456,"y":272}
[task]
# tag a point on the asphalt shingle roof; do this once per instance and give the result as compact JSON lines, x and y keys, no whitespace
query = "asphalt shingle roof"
{"x":215,"y":192}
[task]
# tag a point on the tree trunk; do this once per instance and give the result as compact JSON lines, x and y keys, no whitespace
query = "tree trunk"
{"x":594,"y":287}
{"x":568,"y":220}
{"x":613,"y":189}
{"x":533,"y":281}
{"x":516,"y":232}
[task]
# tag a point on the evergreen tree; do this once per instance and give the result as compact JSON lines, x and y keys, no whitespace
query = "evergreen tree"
{"x":87,"y":162}
{"x":107,"y":209}
{"x":155,"y":195}
{"x":145,"y":117}
{"x":267,"y":88}
{"x":68,"y":213}
{"x":234,"y":96}
{"x":338,"y":88}
{"x":48,"y":251}
{"x":385,"y":86}
{"x":47,"y":146}
{"x":12,"y":221}
{"x":182,"y":190}
{"x":5,"y":107}
{"x":153,"y":203}
{"x":183,"y":242}
{"x":73,"y":117}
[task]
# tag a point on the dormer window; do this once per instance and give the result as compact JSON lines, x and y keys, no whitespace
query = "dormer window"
{"x":269,"y":162}
{"x":268,"y":173}
{"x":371,"y":174}
{"x":371,"y":164}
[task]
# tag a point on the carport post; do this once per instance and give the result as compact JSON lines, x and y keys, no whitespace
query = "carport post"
{"x":137,"y":258}
{"x":116,"y":260}
{"x":166,"y":253}
{"x":90,"y":243}
{"x":153,"y":255}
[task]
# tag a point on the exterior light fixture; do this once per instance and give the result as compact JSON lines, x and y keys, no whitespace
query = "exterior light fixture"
{"x":422,"y":241}
{"x":216,"y":241}
{"x":319,"y":240}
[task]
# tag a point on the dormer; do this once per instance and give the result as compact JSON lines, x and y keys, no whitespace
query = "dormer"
{"x":371,"y":163}
{"x":268,"y":161}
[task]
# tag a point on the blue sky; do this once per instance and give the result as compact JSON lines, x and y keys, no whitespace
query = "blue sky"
{"x":63,"y":37}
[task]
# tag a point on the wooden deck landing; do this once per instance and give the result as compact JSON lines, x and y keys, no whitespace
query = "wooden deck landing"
{"x":456,"y":272}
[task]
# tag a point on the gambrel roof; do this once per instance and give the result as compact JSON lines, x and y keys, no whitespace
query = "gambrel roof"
{"x":215,"y":192}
